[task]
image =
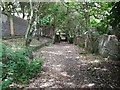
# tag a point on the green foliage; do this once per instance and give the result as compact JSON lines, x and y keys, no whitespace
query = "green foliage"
{"x":102,"y":27}
{"x":115,"y":15}
{"x":70,"y":39}
{"x":45,"y":20}
{"x":93,"y":21}
{"x":17,"y":66}
{"x":114,"y":18}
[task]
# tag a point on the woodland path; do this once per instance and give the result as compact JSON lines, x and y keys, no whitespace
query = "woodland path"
{"x":67,"y":66}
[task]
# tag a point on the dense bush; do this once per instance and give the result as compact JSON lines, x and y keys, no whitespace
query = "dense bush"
{"x":16,"y":65}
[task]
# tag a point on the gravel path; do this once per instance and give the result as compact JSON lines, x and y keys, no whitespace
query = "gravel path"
{"x":66,"y":66}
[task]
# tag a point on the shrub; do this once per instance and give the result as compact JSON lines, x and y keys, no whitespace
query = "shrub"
{"x":70,"y":39}
{"x":16,"y":65}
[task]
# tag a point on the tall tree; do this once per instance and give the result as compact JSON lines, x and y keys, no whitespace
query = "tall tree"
{"x":8,"y":8}
{"x":32,"y":19}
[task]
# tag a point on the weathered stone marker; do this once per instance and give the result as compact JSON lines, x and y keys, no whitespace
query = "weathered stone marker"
{"x":109,"y":47}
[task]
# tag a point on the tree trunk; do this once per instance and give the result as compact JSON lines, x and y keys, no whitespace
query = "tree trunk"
{"x":88,"y":42}
{"x":29,"y":32}
{"x":116,"y":32}
{"x":11,"y":25}
{"x":33,"y":17}
{"x":87,"y":18}
{"x":54,"y":26}
{"x":27,"y":35}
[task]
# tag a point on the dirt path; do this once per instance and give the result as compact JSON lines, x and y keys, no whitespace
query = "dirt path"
{"x":64,"y":67}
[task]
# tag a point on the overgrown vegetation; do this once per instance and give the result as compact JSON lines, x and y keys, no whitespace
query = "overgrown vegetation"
{"x":114,"y":18}
{"x":87,"y":20}
{"x":17,"y":65}
{"x":73,"y":18}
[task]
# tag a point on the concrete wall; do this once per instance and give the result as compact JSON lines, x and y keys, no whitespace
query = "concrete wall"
{"x":20,"y":26}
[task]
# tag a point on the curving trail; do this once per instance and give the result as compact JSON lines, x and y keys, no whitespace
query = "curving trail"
{"x":66,"y":66}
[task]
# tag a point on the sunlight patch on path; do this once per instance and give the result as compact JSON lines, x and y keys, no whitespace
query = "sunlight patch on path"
{"x":57,"y":67}
{"x":66,"y":46}
{"x":95,"y":61}
{"x":47,"y":84}
{"x":55,"y":53}
{"x":88,"y":85}
{"x":65,"y":74}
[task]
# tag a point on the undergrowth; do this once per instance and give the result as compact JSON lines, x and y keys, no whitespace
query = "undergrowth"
{"x":17,"y":66}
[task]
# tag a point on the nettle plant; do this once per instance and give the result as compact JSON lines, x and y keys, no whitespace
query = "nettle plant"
{"x":16,"y":65}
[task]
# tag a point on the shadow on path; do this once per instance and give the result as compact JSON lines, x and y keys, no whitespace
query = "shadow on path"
{"x":64,"y":67}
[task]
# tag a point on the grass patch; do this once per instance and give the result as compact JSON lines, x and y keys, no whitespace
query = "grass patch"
{"x":21,"y":42}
